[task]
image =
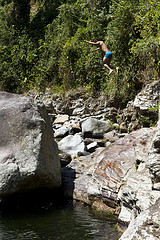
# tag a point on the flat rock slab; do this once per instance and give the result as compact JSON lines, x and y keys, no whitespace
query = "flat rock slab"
{"x":61,"y":118}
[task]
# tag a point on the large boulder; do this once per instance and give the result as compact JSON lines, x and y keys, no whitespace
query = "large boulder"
{"x":28,"y":153}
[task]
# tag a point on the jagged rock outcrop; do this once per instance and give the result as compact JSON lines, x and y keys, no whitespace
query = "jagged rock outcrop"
{"x":145,"y":223}
{"x":145,"y":226}
{"x":136,"y":194}
{"x":98,"y":178}
{"x":28,"y":153}
{"x":148,"y":97}
{"x":129,"y":120}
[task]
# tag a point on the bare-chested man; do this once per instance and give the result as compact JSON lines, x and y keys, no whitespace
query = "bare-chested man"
{"x":107,"y":54}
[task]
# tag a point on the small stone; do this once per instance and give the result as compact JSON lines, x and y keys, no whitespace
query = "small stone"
{"x":61,"y":118}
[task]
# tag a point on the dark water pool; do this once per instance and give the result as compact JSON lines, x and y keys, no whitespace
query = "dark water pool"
{"x":69,"y":221}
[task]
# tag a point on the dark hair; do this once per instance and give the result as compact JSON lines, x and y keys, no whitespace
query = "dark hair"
{"x":95,"y":40}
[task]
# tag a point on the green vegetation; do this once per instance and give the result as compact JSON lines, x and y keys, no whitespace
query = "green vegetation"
{"x":42,"y":45}
{"x":137,"y":163}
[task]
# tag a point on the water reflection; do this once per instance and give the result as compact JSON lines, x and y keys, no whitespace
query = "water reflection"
{"x":70,"y":222}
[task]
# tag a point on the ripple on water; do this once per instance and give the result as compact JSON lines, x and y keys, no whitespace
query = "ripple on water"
{"x":65,"y":222}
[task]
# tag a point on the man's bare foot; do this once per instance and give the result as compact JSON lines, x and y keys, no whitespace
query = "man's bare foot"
{"x":117,"y":69}
{"x":110,"y":71}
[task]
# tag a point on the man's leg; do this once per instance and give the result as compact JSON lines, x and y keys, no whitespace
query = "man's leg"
{"x":106,"y":64}
{"x":117,"y":68}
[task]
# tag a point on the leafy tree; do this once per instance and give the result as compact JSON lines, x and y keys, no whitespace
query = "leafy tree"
{"x":46,"y":11}
{"x":42,"y":44}
{"x":21,"y":13}
{"x":72,"y":26}
{"x":147,"y":47}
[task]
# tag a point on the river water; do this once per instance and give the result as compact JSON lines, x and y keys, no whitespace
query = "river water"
{"x":67,"y":221}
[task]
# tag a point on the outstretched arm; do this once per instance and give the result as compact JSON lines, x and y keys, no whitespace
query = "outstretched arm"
{"x":93,"y":43}
{"x":95,"y":50}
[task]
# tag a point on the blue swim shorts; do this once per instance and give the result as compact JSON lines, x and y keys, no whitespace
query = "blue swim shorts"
{"x":108,"y":55}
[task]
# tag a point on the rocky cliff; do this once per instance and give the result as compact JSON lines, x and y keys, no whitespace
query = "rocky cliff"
{"x":109,"y":156}
{"x":117,"y":169}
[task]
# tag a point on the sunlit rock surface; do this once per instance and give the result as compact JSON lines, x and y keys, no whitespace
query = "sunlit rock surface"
{"x":145,"y":226}
{"x":28,"y":154}
{"x":97,"y":179}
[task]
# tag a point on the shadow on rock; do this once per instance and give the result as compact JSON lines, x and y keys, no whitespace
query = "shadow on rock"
{"x":68,"y":179}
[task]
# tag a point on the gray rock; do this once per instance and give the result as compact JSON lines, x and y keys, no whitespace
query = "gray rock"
{"x":154,"y":157}
{"x":136,"y":194}
{"x":57,"y":126}
{"x":92,"y":146}
{"x":49,"y":106}
{"x":145,"y":226}
{"x":111,"y":136}
{"x":72,"y":144}
{"x":129,"y":119}
{"x":148,"y":97}
{"x":99,"y":142}
{"x":98,"y":177}
{"x":28,"y":153}
{"x":73,"y":125}
{"x":65,"y":159}
{"x":95,"y":128}
{"x":79,"y":111}
{"x":61,"y":132}
{"x":61,"y":118}
{"x":123,"y":127}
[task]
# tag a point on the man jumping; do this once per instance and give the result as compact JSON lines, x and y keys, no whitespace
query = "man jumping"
{"x":107,"y":54}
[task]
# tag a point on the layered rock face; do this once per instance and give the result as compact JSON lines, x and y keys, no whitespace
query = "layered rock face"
{"x":114,"y":176}
{"x":145,"y":223}
{"x":28,"y":153}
